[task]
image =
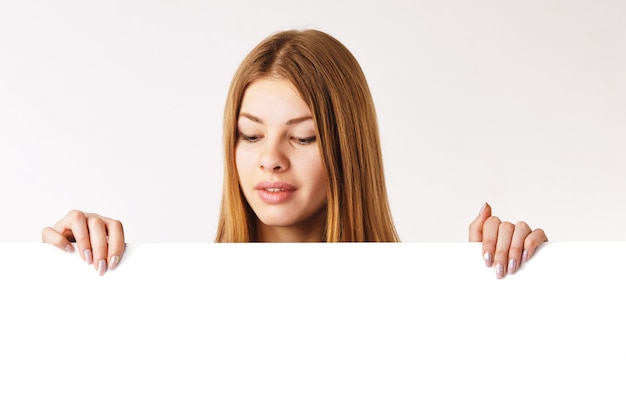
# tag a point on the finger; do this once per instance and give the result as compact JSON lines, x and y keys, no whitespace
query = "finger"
{"x":51,"y":236}
{"x":522,"y":230}
{"x":115,"y":232}
{"x":503,"y":245}
{"x":489,"y":238}
{"x":476,"y":227}
{"x":532,"y":242}
{"x":74,"y":226}
{"x":99,"y":245}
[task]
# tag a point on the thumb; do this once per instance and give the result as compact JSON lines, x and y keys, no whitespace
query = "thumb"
{"x":476,"y":227}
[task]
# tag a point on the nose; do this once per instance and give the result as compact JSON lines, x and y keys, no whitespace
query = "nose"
{"x":273,"y":157}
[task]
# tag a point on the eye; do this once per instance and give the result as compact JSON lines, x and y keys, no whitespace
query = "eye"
{"x":249,"y":138}
{"x":304,"y":141}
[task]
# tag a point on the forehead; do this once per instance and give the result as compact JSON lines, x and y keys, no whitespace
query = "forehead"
{"x":273,"y":100}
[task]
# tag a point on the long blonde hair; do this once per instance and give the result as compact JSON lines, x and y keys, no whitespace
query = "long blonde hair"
{"x":331,"y":82}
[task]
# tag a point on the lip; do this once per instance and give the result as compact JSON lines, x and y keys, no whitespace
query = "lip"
{"x":274,"y":192}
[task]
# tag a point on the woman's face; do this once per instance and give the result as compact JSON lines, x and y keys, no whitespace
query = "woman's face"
{"x":279,"y":164}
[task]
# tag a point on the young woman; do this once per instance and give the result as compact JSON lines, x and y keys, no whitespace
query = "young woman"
{"x":303,"y":162}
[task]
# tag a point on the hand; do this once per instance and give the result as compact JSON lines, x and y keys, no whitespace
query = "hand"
{"x":505,"y":245}
{"x":100,"y":240}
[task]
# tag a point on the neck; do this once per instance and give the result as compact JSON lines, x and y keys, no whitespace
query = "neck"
{"x":312,"y":231}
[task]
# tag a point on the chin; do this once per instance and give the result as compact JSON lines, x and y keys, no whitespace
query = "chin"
{"x":277,"y":222}
{"x":287,"y":216}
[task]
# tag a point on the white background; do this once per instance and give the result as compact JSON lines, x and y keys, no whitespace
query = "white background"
{"x":116,"y":107}
{"x":390,"y":330}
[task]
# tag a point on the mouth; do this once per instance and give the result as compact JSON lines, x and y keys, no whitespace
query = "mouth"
{"x":275,"y":187}
{"x":274,"y":192}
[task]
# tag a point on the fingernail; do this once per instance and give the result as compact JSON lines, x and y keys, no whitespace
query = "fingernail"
{"x":512,"y":266}
{"x":482,"y":209}
{"x":88,"y":257}
{"x":499,"y":271}
{"x":102,"y":266}
{"x":524,"y":256}
{"x":488,"y":259}
{"x":69,"y":248}
{"x":113,"y":262}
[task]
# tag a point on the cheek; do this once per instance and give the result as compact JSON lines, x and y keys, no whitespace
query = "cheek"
{"x":315,"y":171}
{"x":242,"y":162}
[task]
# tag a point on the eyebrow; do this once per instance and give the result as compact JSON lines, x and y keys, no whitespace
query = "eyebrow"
{"x":289,"y":122}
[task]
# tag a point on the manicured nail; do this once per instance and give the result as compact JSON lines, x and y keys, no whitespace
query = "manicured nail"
{"x":88,"y":257}
{"x":499,"y":271}
{"x":512,"y":266}
{"x":524,"y":256}
{"x":102,"y":266}
{"x":69,"y":248}
{"x":482,"y":209}
{"x":113,"y":262}
{"x":488,"y":258}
